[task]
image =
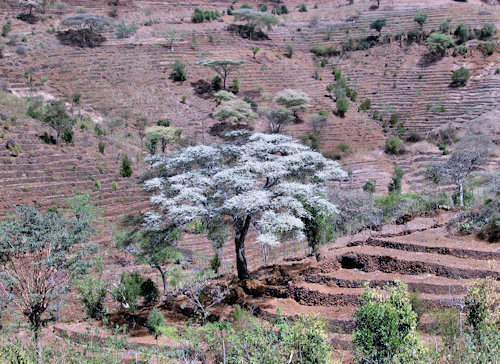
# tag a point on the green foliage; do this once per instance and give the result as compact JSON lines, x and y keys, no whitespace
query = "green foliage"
{"x":444,"y":27}
{"x":303,"y":340}
{"x":235,"y":87}
{"x":47,"y":245}
{"x":439,"y":42}
{"x":311,"y":140}
{"x":460,"y":77}
{"x":394,"y":119}
{"x":370,"y":186}
{"x":342,"y":106}
{"x":101,"y":146}
{"x":92,"y":294}
{"x":317,"y":228}
{"x":480,"y":303}
{"x":200,"y":16}
{"x":420,"y":18}
{"x":462,"y":33}
{"x":394,"y":145}
{"x":178,"y":71}
{"x":487,"y":31}
{"x":155,"y":323}
{"x":385,"y":325}
{"x":397,"y":178}
{"x":289,"y":50}
{"x":487,"y":48}
{"x":129,"y":290}
{"x":324,"y":51}
{"x":264,"y":8}
{"x":6,"y":28}
{"x":53,"y":114}
{"x":149,"y":291}
{"x":378,"y":24}
{"x":254,"y":50}
{"x":215,"y":262}
{"x":124,"y":31}
{"x":126,"y":166}
{"x":365,"y":105}
{"x":302,"y":7}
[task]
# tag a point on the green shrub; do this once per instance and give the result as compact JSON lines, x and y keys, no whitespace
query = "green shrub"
{"x":413,"y":137}
{"x":289,"y":50}
{"x":178,"y":71}
{"x":163,"y":122}
{"x":149,"y":291}
{"x":322,"y":51}
{"x":128,"y":292}
{"x":216,"y":83}
{"x":126,"y":167}
{"x":302,"y":8}
{"x":67,"y":136}
{"x":366,"y":105}
{"x":6,"y":28}
{"x":394,"y":119}
{"x":342,"y":106}
{"x":460,"y":50}
{"x":487,"y":31}
{"x":420,"y":18}
{"x":200,"y":16}
{"x":487,"y":48}
{"x":101,"y":146}
{"x":264,"y":8}
{"x":215,"y":262}
{"x":124,"y":31}
{"x":235,"y":88}
{"x":92,"y":294}
{"x":394,"y":145}
{"x":463,"y":34}
{"x":114,"y":186}
{"x":155,"y":323}
{"x":395,"y":185}
{"x":385,"y":325}
{"x":370,"y":186}
{"x":460,"y":77}
{"x":444,"y":27}
{"x":378,"y":24}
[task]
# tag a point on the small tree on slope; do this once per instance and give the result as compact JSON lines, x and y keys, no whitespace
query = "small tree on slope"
{"x":270,"y":182}
{"x":38,"y":252}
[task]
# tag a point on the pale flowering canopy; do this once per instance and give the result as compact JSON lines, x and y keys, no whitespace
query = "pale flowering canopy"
{"x":271,"y":180}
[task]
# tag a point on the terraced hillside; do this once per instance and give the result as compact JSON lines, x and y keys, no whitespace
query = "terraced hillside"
{"x":131,"y":77}
{"x":431,"y":261}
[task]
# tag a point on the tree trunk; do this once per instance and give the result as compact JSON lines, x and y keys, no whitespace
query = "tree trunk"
{"x":239,"y":243}
{"x":35,"y":320}
{"x":163,"y":278}
{"x":461,"y":188}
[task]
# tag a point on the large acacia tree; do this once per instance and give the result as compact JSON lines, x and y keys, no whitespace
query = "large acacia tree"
{"x":270,"y":183}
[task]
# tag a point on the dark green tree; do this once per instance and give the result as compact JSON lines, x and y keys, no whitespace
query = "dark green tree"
{"x":378,"y":24}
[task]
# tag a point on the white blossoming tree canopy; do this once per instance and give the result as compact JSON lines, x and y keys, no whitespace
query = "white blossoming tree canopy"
{"x":270,"y":183}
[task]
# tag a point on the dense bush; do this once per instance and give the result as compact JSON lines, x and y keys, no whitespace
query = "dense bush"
{"x":370,"y":186}
{"x":378,"y":24}
{"x":324,"y":51}
{"x":178,"y":71}
{"x":365,"y":105}
{"x":420,"y":18}
{"x":124,"y":31}
{"x":126,"y":166}
{"x":385,"y":325}
{"x":395,"y":185}
{"x":463,"y":34}
{"x":394,"y":145}
{"x":289,"y":50}
{"x":487,"y":31}
{"x":302,"y":7}
{"x":92,"y":294}
{"x":439,"y":42}
{"x":200,"y":16}
{"x":487,"y":48}
{"x":460,"y":77}
{"x":155,"y":323}
{"x":342,"y":106}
